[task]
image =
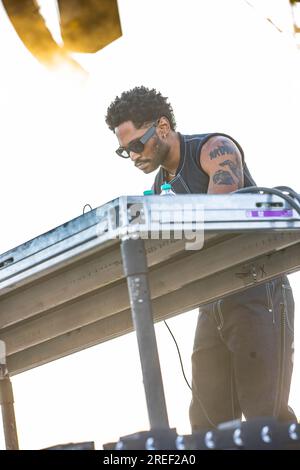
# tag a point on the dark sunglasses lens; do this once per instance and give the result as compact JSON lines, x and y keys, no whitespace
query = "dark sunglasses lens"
{"x":122,"y":152}
{"x":136,"y":147}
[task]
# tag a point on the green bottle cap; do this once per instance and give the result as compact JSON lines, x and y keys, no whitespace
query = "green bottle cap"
{"x":148,"y":192}
{"x":165,"y":186}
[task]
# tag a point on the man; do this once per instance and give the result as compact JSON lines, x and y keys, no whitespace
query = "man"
{"x":243,"y":349}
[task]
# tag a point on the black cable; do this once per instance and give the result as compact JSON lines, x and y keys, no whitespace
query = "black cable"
{"x":289,"y":190}
{"x":257,"y":189}
{"x":196,"y":394}
{"x":180,"y":359}
{"x":86,"y":205}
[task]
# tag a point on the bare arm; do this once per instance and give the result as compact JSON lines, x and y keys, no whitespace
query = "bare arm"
{"x":221,"y":159}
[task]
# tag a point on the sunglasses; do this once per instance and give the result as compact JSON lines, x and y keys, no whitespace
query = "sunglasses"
{"x":137,"y":145}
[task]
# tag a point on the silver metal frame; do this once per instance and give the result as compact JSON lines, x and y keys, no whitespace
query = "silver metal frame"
{"x":66,"y":290}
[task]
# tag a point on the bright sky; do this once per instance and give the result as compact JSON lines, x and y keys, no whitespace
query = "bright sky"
{"x":224,"y":68}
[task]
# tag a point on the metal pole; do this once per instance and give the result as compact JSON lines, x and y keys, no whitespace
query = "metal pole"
{"x":8,"y":412}
{"x":136,"y":271}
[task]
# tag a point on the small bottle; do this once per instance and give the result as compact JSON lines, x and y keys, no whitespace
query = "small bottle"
{"x":148,"y":192}
{"x":166,"y":190}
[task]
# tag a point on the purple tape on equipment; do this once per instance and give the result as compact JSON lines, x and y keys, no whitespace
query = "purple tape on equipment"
{"x":262,"y":213}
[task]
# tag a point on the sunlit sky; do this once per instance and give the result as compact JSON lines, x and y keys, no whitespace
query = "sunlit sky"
{"x":225,"y":68}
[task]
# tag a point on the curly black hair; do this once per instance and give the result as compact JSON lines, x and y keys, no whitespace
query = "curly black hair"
{"x":139,"y":105}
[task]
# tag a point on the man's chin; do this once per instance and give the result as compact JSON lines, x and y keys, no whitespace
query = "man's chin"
{"x":147,"y":170}
{"x":147,"y":167}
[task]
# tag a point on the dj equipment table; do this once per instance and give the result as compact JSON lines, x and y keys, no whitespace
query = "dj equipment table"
{"x":66,"y":290}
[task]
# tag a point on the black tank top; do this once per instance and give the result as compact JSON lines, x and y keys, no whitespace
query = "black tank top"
{"x":190,"y":178}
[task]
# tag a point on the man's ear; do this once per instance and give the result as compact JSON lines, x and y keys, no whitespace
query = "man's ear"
{"x":164,"y":126}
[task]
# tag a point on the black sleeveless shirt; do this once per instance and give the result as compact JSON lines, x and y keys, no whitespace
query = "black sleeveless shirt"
{"x":190,"y":178}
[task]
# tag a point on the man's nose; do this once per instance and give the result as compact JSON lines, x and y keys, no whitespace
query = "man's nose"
{"x":134,"y":156}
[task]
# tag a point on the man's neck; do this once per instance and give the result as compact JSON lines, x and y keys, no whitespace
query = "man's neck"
{"x":171,"y":162}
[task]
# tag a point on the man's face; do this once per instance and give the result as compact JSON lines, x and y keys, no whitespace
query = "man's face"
{"x":155,"y":150}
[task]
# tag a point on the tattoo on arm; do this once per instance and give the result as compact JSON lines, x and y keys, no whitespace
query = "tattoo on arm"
{"x":234,"y":167}
{"x":223,"y":177}
{"x":225,"y":149}
{"x":230,"y":172}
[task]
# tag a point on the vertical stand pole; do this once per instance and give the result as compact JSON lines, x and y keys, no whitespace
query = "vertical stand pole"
{"x":136,"y":272}
{"x":8,"y":412}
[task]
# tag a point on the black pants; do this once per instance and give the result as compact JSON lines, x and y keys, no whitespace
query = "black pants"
{"x":243,"y":356}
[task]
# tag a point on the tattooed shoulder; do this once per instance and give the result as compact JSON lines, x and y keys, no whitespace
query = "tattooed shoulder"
{"x":222,"y":160}
{"x":223,"y":177}
{"x":222,"y":147}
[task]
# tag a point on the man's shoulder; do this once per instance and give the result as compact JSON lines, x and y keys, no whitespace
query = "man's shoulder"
{"x":207,"y":137}
{"x":190,"y":137}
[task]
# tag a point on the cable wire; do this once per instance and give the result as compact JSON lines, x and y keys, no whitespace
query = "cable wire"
{"x":180,"y":359}
{"x":196,"y":392}
{"x":289,"y":190}
{"x":86,"y":205}
{"x":257,"y":189}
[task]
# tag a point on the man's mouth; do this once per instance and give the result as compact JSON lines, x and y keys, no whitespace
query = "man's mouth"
{"x":141,"y":164}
